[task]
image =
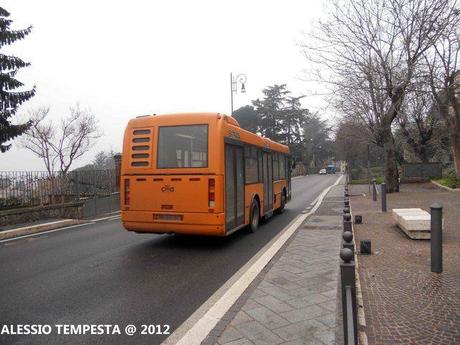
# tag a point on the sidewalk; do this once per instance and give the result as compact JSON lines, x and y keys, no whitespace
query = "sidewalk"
{"x":294,"y":300}
{"x":404,"y":302}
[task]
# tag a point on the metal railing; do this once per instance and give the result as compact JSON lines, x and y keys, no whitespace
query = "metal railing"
{"x":35,"y":188}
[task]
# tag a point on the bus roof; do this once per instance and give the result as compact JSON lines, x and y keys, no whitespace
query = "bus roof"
{"x":156,"y":119}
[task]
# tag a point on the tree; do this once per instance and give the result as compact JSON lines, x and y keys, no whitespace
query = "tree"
{"x":443,"y":69}
{"x":370,"y":51}
{"x":281,"y":118}
{"x":10,"y":100}
{"x":317,"y":143}
{"x":104,"y":160}
{"x":417,"y":121}
{"x":270,"y":111}
{"x":61,"y":146}
{"x":247,"y":117}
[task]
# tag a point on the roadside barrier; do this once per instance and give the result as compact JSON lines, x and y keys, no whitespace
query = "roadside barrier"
{"x":347,"y":277}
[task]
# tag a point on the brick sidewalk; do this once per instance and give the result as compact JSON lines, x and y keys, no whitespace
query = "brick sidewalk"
{"x":295,"y":302}
{"x":404,"y":302}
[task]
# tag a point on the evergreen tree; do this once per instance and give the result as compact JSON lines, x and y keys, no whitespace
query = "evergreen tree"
{"x":270,"y":110}
{"x":247,"y":117}
{"x":10,"y":100}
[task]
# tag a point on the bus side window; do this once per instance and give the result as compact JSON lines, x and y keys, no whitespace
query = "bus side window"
{"x":282,"y":166}
{"x":276,"y":169}
{"x":259,"y":156}
{"x":251,"y":164}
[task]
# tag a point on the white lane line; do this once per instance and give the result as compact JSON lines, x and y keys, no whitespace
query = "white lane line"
{"x":105,"y":218}
{"x":314,"y":201}
{"x":45,"y":232}
{"x":201,"y":328}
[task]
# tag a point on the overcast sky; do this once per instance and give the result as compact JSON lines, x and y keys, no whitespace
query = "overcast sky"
{"x":122,"y":59}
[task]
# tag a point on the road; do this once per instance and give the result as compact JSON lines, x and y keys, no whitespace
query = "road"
{"x":102,"y":274}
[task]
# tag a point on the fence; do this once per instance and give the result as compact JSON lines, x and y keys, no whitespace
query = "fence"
{"x":37,"y":188}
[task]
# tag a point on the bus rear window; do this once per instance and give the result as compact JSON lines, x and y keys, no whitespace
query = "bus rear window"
{"x":183,"y":147}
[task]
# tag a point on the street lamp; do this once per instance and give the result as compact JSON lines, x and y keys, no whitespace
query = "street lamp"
{"x":240,"y":78}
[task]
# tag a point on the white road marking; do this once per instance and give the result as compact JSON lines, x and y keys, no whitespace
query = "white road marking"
{"x":315,"y":201}
{"x":204,"y":325}
{"x":106,"y":218}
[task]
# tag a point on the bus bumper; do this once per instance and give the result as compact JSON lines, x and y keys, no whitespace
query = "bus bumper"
{"x":211,"y":224}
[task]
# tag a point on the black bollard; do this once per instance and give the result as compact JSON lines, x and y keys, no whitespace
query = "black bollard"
{"x":358,"y":219}
{"x":374,"y":190}
{"x":436,"y":238}
{"x":384,"y":196}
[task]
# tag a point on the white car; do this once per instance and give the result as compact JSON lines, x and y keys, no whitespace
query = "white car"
{"x":322,"y":172}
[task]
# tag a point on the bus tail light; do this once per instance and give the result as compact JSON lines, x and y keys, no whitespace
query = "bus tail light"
{"x":126,"y":191}
{"x":211,"y":192}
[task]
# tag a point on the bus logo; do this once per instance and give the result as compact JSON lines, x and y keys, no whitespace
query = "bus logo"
{"x":167,"y":188}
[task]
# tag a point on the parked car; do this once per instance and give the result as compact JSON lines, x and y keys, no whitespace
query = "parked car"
{"x":322,"y":172}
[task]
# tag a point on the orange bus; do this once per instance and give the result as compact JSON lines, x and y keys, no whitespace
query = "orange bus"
{"x":199,"y":174}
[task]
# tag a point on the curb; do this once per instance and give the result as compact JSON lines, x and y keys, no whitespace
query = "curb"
{"x":27,"y":230}
{"x":445,"y":187}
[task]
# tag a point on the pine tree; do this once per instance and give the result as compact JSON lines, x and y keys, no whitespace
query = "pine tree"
{"x":10,"y":100}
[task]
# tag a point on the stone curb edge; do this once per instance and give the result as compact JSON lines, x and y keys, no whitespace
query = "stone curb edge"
{"x":27,"y":230}
{"x":445,"y":187}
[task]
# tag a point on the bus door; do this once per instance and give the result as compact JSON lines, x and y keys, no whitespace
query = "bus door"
{"x":267,"y":165}
{"x":234,"y":186}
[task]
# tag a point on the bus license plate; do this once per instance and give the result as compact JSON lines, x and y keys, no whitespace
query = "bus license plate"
{"x":170,"y":217}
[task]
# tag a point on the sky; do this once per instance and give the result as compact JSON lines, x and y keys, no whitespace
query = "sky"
{"x":122,"y":59}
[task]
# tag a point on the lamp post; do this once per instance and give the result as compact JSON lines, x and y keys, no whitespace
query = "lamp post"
{"x":240,"y":78}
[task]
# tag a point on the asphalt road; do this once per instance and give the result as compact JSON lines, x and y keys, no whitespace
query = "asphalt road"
{"x":102,"y":274}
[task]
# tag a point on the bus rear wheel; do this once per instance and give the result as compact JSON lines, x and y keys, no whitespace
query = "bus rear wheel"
{"x":254,"y":220}
{"x":283,"y":201}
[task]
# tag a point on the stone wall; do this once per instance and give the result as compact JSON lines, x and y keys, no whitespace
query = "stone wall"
{"x":30,"y":214}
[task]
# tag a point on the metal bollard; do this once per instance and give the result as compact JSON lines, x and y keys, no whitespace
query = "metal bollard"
{"x":374,"y":190}
{"x":346,"y":202}
{"x":346,"y":217}
{"x":384,"y":196}
{"x":349,"y":312}
{"x":436,"y":238}
{"x":346,"y":209}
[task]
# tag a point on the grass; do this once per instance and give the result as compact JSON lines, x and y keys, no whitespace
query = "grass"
{"x":448,"y":181}
{"x":378,"y":180}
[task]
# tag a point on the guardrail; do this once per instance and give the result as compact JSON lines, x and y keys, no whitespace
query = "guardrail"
{"x":347,"y":277}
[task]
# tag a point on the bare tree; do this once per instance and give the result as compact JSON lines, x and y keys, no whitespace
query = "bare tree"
{"x":443,"y":70}
{"x":368,"y":51}
{"x":418,"y":122}
{"x":60,"y":146}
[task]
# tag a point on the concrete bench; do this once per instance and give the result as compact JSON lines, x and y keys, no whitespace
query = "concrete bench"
{"x":415,"y":222}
